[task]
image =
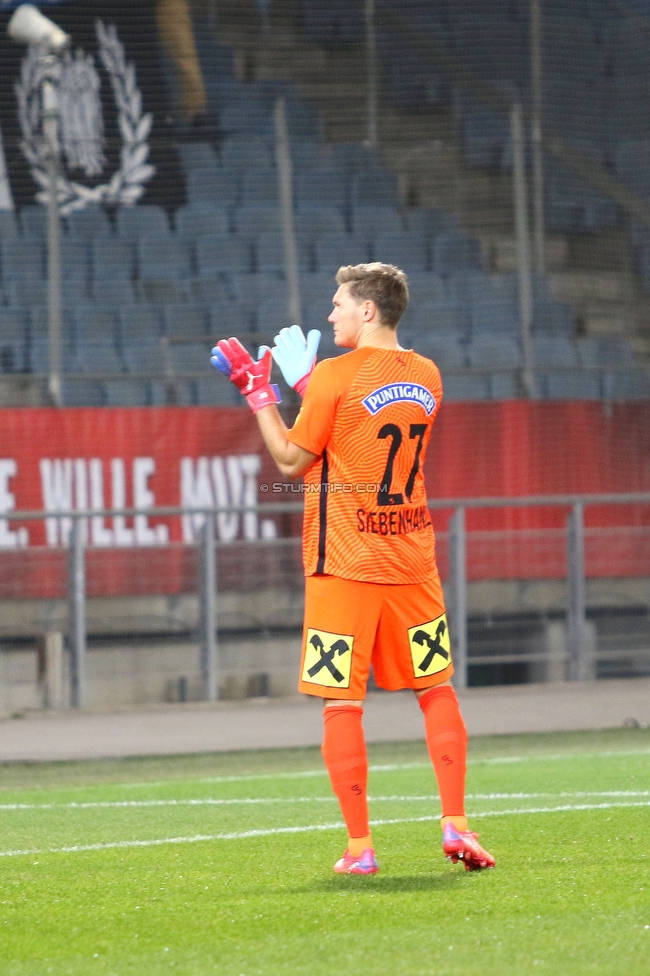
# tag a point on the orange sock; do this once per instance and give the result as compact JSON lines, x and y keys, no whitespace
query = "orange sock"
{"x":346,"y":761}
{"x":446,"y":738}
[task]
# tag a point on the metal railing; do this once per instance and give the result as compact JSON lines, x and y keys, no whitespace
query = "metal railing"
{"x":577,"y":643}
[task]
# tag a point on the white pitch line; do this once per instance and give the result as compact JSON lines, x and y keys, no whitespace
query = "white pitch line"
{"x":246,"y":801}
{"x":245,"y":834}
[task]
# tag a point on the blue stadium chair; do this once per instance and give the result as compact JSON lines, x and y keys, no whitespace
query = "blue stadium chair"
{"x":210,"y":289}
{"x":23,"y":259}
{"x":195,"y":219}
{"x":626,"y":384}
{"x":571,"y":385}
{"x":327,"y":186}
{"x":241,"y":153}
{"x":8,"y":224}
{"x":471,"y":286}
{"x":190,"y":357}
{"x":313,"y":221}
{"x":454,"y":252}
{"x":254,"y":288}
{"x":116,"y":291}
{"x":222,"y":252}
{"x":334,"y":250}
{"x":308,"y":154}
{"x":269,"y":251}
{"x":368,"y":221}
{"x":30,"y":294}
{"x":429,"y":221}
{"x":444,"y":348}
{"x":139,"y":323}
{"x":216,"y":391}
{"x":13,"y":340}
{"x":196,"y":155}
{"x":553,"y":350}
{"x":408,"y":250}
{"x":445,"y":317}
{"x":163,"y":257}
{"x":145,"y":356}
{"x":95,"y":323}
{"x":243,"y":115}
{"x":601,"y":351}
{"x":379,"y":188}
{"x":219,"y":186}
{"x":74,"y":258}
{"x":550,"y":315}
{"x":505,"y":386}
{"x":355,"y":157}
{"x":38,"y":350}
{"x":181,"y":320}
{"x":112,"y":258}
{"x":127,"y":393}
{"x":33,"y":220}
{"x":490,"y":351}
{"x":141,"y":220}
{"x":271,"y":316}
{"x":230,"y":319}
{"x":253,"y":220}
{"x":97,"y":355}
{"x":466,"y":386}
{"x":91,"y":221}
{"x":260,"y":186}
{"x":425,"y":286}
{"x":495,"y":317}
{"x":333,"y":23}
{"x":317,"y":290}
{"x":83,"y":393}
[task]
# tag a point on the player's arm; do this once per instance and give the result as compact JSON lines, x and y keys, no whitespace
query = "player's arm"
{"x":291,"y":460}
{"x":253,"y":380}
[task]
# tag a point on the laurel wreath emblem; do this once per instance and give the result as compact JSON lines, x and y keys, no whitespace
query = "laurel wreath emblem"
{"x":126,"y":184}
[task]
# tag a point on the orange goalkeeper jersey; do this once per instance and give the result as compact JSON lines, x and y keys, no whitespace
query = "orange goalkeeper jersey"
{"x":368,"y":416}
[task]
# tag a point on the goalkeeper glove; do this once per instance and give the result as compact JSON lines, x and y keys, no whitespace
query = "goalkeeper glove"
{"x":251,"y":377}
{"x":296,"y":356}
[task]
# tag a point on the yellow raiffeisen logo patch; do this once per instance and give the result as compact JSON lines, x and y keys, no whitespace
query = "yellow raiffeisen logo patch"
{"x":328,"y":659}
{"x":430,"y":647}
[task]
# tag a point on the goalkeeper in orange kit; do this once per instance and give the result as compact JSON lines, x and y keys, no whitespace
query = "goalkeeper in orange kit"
{"x":373,"y":594}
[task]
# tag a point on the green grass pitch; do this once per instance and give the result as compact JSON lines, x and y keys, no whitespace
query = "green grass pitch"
{"x":222,"y":864}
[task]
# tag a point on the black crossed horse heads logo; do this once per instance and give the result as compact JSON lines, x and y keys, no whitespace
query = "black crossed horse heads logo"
{"x":435,"y":647}
{"x":326,"y":659}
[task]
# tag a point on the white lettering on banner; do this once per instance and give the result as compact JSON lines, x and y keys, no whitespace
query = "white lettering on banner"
{"x":100,"y":535}
{"x":56,"y":487}
{"x":221,"y":482}
{"x":145,"y":534}
{"x":75,"y":484}
{"x":8,"y":538}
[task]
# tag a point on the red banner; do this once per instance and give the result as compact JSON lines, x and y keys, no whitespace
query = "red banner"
{"x":59,"y":461}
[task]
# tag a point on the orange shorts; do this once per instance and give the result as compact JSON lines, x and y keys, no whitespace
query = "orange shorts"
{"x":401,"y":629}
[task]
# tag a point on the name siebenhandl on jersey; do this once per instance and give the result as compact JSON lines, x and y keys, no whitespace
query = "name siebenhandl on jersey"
{"x":394,"y":521}
{"x":396,"y":392}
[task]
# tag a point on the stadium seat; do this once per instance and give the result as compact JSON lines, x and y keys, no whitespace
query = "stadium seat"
{"x":163,"y":257}
{"x":355,"y":157}
{"x":91,"y":221}
{"x":219,"y":186}
{"x":572,"y":385}
{"x":269,"y":252}
{"x":83,"y":393}
{"x":445,"y":317}
{"x":368,"y":221}
{"x":444,"y":348}
{"x":13,"y":340}
{"x":74,"y":258}
{"x":28,"y":294}
{"x":254,"y":288}
{"x":145,"y":356}
{"x":141,"y":220}
{"x":327,"y":186}
{"x":429,"y":221}
{"x":600,"y":351}
{"x":378,"y":188}
{"x":553,"y":350}
{"x":97,"y":355}
{"x":118,"y":291}
{"x":408,"y":250}
{"x":8,"y":224}
{"x":425,"y":286}
{"x":489,"y":351}
{"x":313,"y":220}
{"x":260,"y":186}
{"x":95,"y":323}
{"x":271,"y":316}
{"x":33,"y":220}
{"x":112,"y":258}
{"x":23,"y":259}
{"x":333,"y":250}
{"x":453,"y":252}
{"x":188,"y":357}
{"x":182,"y":320}
{"x":253,"y":220}
{"x":193,"y":220}
{"x":466,"y":386}
{"x":229,"y":319}
{"x":196,"y":155}
{"x":241,"y":153}
{"x":127,"y":393}
{"x":139,"y":323}
{"x":504,"y":386}
{"x":213,"y":288}
{"x":216,"y":391}
{"x":626,"y":384}
{"x":244,"y":115}
{"x":495,"y":317}
{"x":222,"y":252}
{"x":553,"y":316}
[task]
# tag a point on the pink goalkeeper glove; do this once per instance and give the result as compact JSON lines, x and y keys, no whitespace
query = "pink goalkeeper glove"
{"x":252,"y":378}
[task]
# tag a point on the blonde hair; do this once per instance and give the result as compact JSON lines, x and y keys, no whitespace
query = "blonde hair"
{"x":383,"y":284}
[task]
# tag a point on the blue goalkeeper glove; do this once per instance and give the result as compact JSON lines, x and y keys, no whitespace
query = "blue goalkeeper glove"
{"x":296,"y":356}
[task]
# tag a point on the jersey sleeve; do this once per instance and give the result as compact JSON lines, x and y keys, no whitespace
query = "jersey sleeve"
{"x":314,"y":423}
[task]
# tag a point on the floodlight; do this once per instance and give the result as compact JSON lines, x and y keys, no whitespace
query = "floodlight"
{"x":29,"y":26}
